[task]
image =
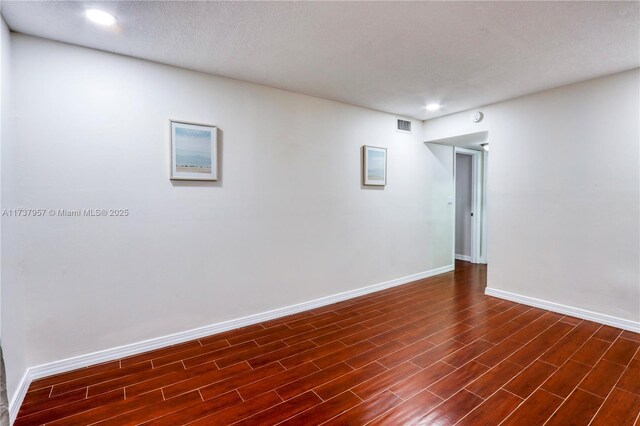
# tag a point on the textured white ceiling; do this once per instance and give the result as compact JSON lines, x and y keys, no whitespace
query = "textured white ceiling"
{"x":389,"y":56}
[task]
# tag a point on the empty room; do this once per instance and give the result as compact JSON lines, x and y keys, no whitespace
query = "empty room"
{"x":319,"y":213}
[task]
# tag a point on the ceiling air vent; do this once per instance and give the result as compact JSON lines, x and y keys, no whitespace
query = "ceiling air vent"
{"x":404,"y":126}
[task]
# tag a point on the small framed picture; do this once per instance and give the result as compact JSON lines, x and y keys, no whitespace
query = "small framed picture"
{"x":194,"y":151}
{"x":374,"y":165}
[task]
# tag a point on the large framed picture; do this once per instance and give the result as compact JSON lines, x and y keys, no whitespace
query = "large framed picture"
{"x":374,"y":165}
{"x":194,"y":151}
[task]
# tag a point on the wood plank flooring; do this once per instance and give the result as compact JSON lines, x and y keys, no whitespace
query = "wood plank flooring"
{"x":435,"y":351}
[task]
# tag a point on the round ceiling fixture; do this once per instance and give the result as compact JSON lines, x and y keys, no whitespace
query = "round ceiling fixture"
{"x":100,"y":17}
{"x":433,"y":107}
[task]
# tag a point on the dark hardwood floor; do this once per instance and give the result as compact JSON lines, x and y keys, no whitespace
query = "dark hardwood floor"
{"x":436,"y":351}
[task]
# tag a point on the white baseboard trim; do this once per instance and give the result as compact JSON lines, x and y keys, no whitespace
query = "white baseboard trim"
{"x":462,"y":257}
{"x":566,"y":310}
{"x":16,"y":401}
{"x":69,"y":364}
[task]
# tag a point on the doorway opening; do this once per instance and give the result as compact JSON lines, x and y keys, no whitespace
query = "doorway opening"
{"x":470,"y":207}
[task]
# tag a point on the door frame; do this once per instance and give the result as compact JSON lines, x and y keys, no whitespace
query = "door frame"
{"x":478,"y":221}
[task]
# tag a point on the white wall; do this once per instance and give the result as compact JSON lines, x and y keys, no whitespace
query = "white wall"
{"x":12,"y":293}
{"x":287,"y":223}
{"x":463,"y":205}
{"x":5,"y":65}
{"x":564,"y":193}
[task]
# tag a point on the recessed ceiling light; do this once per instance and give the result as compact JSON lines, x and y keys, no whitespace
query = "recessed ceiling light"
{"x":433,"y":107}
{"x":100,"y":17}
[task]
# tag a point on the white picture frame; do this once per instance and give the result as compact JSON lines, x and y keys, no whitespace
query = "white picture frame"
{"x":374,"y":165}
{"x":194,"y":151}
